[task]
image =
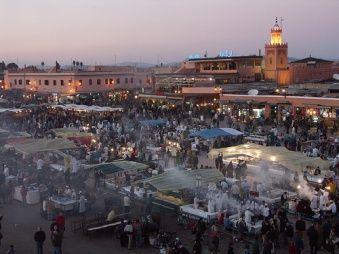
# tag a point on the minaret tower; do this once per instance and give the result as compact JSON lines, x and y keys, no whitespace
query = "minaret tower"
{"x":276,"y":57}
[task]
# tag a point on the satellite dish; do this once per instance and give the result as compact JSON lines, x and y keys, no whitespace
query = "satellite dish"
{"x":253,"y":92}
{"x":336,"y":76}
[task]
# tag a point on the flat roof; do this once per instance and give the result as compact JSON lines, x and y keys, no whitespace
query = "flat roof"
{"x":276,"y":99}
{"x":224,"y":58}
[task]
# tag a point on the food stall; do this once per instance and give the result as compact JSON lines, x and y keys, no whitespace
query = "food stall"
{"x":114,"y":173}
{"x":294,"y":161}
{"x":63,"y":203}
{"x":172,"y":185}
{"x":274,"y":196}
{"x":32,"y":197}
{"x":173,"y":147}
{"x":83,"y":138}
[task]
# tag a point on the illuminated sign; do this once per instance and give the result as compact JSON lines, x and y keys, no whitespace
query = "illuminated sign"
{"x":226,"y":53}
{"x":194,"y":56}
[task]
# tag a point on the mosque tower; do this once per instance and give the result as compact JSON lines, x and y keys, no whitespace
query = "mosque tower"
{"x":276,"y":57}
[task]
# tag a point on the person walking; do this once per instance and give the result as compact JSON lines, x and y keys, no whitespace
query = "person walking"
{"x":39,"y":238}
{"x":197,"y":247}
{"x":56,"y":239}
{"x":312,"y":234}
{"x":11,"y":250}
{"x":128,"y":230}
{"x":23,"y":193}
{"x":127,"y":204}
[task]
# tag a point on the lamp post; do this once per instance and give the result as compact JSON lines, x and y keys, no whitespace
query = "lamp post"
{"x":282,"y":91}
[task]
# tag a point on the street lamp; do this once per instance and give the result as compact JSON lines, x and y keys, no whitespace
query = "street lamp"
{"x":282,"y":91}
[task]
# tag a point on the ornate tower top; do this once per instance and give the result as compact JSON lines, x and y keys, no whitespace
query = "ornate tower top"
{"x":276,"y":34}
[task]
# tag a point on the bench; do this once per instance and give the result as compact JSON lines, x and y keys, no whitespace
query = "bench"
{"x":94,"y":228}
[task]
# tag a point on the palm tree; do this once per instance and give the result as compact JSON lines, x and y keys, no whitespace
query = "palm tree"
{"x":81,"y":65}
{"x":42,"y":64}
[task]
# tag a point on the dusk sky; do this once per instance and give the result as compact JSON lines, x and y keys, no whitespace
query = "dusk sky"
{"x":93,"y":31}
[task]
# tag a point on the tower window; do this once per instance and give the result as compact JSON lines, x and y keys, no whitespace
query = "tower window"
{"x":281,"y":60}
{"x":270,"y":60}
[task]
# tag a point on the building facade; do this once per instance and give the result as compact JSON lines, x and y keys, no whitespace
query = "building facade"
{"x":68,"y":82}
{"x":310,"y":70}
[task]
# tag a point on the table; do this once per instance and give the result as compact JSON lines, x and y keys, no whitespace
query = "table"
{"x":65,"y":204}
{"x":191,"y":211}
{"x":275,"y":196}
{"x":57,"y":167}
{"x":138,"y":194}
{"x":11,"y":178}
{"x":33,"y":195}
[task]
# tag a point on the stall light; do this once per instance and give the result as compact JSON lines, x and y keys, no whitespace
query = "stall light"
{"x":319,"y":181}
{"x":273,"y":158}
{"x":94,"y":141}
{"x":299,"y":187}
{"x":136,"y":97}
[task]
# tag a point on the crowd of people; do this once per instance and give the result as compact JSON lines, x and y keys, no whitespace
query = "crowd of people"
{"x":124,"y":135}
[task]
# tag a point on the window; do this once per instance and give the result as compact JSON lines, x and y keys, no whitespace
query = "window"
{"x":62,"y":83}
{"x":27,"y":82}
{"x":132,"y":80}
{"x":98,"y":81}
{"x":281,"y":60}
{"x":90,"y":82}
{"x":46,"y":82}
{"x":54,"y":83}
{"x":20,"y":82}
{"x":140,"y":81}
{"x":80,"y":82}
{"x":111,"y":81}
{"x":126,"y":80}
{"x":15,"y":82}
{"x":39,"y":82}
{"x":118,"y":80}
{"x":69,"y":82}
{"x":270,"y":60}
{"x":106,"y":81}
{"x":232,"y":66}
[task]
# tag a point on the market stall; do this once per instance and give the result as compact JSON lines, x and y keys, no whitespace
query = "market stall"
{"x":32,"y":197}
{"x":116,"y":172}
{"x":292,"y":160}
{"x":74,"y":135}
{"x":172,"y":185}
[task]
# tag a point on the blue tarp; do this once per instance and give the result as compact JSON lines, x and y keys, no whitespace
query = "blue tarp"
{"x":216,"y":132}
{"x":153,"y":122}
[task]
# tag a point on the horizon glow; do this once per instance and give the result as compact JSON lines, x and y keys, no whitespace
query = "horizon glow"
{"x":102,"y":31}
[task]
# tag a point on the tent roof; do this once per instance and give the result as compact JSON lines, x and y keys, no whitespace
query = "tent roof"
{"x":216,"y":132}
{"x":119,"y":166}
{"x":153,"y":122}
{"x":68,"y":132}
{"x":173,"y":180}
{"x":281,"y":155}
{"x":31,"y":146}
{"x":87,"y":108}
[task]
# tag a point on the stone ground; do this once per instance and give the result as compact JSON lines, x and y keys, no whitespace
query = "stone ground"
{"x":19,"y":224}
